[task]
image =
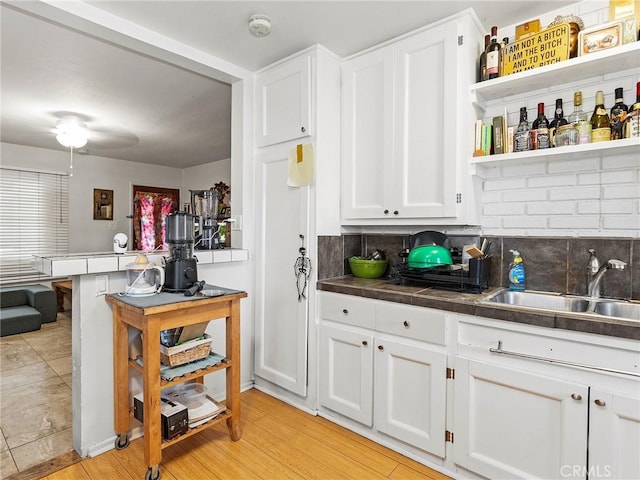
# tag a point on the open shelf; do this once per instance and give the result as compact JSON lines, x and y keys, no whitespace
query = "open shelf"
{"x":592,"y":65}
{"x":627,"y":146}
{"x":186,"y":377}
{"x":192,"y":431}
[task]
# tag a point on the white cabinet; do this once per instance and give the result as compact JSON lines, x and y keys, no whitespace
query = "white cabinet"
{"x":283,"y":102}
{"x":531,"y":413}
{"x":511,"y":424}
{"x":393,"y":383}
{"x":401,"y":111}
{"x":614,"y":435}
{"x":288,"y":218}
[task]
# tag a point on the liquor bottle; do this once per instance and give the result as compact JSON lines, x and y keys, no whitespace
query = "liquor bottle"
{"x":600,"y":124}
{"x":541,"y":126}
{"x":632,"y":125}
{"x":493,"y":55}
{"x":558,"y":121}
{"x":503,"y":45}
{"x":579,"y":118}
{"x":618,"y":116}
{"x":482,"y":66}
{"x":522,"y":137}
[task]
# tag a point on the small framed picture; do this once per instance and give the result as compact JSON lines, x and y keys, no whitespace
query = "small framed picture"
{"x":600,"y":38}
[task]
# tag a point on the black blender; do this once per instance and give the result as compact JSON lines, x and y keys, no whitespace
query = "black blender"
{"x":204,"y":205}
{"x":181,"y":272}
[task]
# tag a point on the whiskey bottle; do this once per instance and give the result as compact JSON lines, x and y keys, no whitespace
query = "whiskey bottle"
{"x":558,"y":121}
{"x":600,"y":124}
{"x":493,"y":55}
{"x":579,"y":118}
{"x":522,"y":137}
{"x":618,"y":116}
{"x":541,"y":127}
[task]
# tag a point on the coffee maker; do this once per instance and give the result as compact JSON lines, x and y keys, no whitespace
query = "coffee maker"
{"x":204,"y":205}
{"x":181,"y":271}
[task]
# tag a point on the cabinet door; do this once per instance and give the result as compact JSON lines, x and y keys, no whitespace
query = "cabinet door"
{"x":614,"y":436}
{"x":367,"y":86}
{"x":512,"y":424}
{"x":283,"y":101}
{"x":281,"y":319}
{"x":346,"y":372}
{"x":410,"y":394}
{"x":425,"y":156}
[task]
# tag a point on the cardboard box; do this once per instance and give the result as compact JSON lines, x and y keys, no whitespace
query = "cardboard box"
{"x":527,"y":28}
{"x":174,"y":417}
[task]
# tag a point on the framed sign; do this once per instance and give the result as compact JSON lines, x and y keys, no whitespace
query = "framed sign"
{"x":102,"y":204}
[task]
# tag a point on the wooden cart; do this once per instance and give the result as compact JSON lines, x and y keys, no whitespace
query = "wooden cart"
{"x":150,"y":315}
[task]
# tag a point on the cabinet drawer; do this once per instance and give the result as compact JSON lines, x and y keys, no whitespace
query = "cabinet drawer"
{"x":347,"y":309}
{"x":418,"y":323}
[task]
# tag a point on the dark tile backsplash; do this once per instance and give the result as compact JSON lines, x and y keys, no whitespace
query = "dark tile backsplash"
{"x":555,"y":264}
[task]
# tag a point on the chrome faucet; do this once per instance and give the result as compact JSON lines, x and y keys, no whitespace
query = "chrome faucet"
{"x":592,"y":267}
{"x":594,"y":284}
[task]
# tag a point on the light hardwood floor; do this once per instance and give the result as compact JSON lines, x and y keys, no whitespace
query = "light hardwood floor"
{"x":278,"y":442}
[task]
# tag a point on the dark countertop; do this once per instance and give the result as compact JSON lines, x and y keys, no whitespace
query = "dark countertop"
{"x":472,"y":304}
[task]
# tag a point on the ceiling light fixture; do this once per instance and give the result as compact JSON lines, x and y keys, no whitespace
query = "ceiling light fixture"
{"x":259,"y":25}
{"x":71,"y":133}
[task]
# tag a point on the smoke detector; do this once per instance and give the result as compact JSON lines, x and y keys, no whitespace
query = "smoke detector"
{"x":259,"y":25}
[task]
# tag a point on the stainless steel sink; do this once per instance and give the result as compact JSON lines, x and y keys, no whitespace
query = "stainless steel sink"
{"x":618,"y":309}
{"x":542,"y":301}
{"x":568,"y":303}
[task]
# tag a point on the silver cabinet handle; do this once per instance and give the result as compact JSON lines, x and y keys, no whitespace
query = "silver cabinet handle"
{"x":576,"y":396}
{"x":600,"y":403}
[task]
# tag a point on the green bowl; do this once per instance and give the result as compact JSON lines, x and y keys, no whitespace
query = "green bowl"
{"x":367,"y":268}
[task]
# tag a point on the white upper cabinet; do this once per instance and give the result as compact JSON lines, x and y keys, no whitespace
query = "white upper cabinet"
{"x":283,"y":102}
{"x":401,"y":152}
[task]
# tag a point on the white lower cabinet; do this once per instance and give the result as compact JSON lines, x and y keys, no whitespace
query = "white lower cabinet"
{"x":511,"y":424}
{"x":614,"y":435}
{"x":394,"y":384}
{"x":557,"y":405}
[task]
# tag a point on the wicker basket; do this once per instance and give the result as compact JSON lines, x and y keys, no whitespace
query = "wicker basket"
{"x":185,"y":353}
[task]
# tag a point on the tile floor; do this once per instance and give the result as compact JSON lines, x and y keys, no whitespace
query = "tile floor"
{"x":35,"y":396}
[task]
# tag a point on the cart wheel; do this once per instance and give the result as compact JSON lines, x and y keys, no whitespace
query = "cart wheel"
{"x":149,"y":474}
{"x":120,"y":444}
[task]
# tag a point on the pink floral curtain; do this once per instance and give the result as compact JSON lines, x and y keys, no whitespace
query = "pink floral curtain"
{"x":150,"y":211}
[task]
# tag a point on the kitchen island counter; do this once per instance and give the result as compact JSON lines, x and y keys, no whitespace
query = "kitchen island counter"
{"x":474,"y":304}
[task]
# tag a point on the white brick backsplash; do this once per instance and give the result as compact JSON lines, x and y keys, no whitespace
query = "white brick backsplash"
{"x":589,"y":178}
{"x":525,"y":222}
{"x":524,"y":170}
{"x":623,"y":222}
{"x":490,"y":197}
{"x":606,"y":207}
{"x":491,"y":223}
{"x":582,"y":165}
{"x":618,"y":176}
{"x":546,"y":208}
{"x":577,"y":193}
{"x":622,"y":191}
{"x":578,"y":222}
{"x":622,"y":161}
{"x":528,"y":195}
{"x":551,"y":181}
{"x":503,"y":209}
{"x":500,"y":184}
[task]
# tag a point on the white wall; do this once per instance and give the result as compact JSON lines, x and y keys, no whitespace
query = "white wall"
{"x":590,"y":196}
{"x":89,"y":172}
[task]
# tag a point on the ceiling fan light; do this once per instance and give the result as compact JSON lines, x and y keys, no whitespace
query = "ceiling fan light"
{"x":72,"y":134}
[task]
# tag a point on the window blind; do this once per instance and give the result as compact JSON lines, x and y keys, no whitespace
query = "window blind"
{"x":34,"y":220}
